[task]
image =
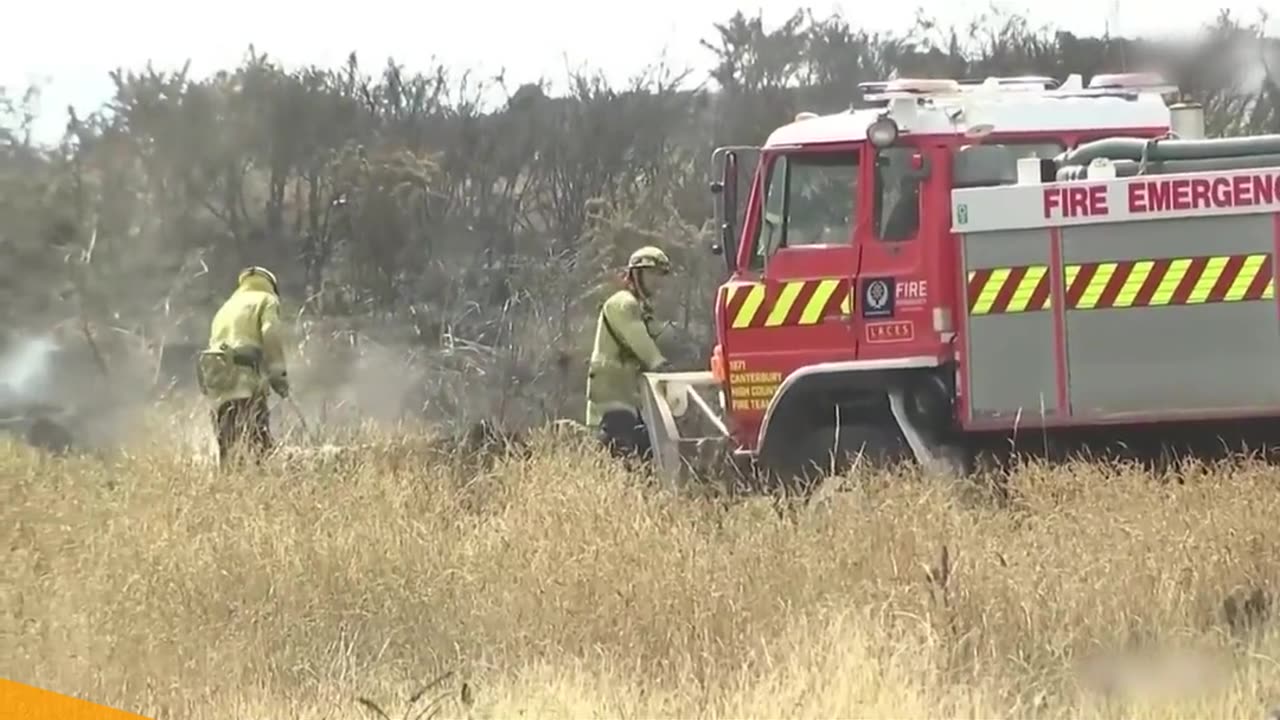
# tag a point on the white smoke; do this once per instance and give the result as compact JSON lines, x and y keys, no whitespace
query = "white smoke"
{"x":44,"y":377}
{"x":25,"y":369}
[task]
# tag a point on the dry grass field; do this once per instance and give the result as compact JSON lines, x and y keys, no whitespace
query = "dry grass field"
{"x":560,"y":586}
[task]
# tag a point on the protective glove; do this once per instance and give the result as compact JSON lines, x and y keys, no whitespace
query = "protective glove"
{"x":280,"y":384}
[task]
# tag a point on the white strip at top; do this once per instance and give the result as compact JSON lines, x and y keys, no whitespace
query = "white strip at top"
{"x":1089,"y":202}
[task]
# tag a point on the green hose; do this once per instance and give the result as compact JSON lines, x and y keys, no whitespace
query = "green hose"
{"x":1130,"y":168}
{"x":1170,"y":149}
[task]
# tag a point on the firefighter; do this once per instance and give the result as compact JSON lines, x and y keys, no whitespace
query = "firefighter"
{"x":244,"y":363}
{"x":624,"y":348}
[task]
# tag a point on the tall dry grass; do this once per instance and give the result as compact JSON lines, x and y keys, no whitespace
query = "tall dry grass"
{"x":560,"y":586}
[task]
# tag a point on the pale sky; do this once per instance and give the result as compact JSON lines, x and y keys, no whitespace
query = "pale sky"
{"x":70,"y":46}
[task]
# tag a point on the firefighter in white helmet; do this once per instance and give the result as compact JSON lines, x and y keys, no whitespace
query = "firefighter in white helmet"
{"x":625,"y":348}
{"x":244,"y":362}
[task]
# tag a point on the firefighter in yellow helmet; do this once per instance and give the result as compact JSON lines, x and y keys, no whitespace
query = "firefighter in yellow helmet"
{"x":625,"y":348}
{"x":244,"y":362}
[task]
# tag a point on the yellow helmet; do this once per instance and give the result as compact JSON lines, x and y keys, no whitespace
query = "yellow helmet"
{"x":649,"y":258}
{"x":261,"y":272}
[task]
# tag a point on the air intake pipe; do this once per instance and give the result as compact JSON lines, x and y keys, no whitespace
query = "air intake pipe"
{"x":1187,"y":120}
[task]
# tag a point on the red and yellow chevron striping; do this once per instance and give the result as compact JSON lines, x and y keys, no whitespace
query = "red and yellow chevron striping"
{"x":1125,"y":284}
{"x":785,"y":304}
{"x":1009,"y":290}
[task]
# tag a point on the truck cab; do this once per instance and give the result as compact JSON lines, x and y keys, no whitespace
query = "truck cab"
{"x":845,"y":275}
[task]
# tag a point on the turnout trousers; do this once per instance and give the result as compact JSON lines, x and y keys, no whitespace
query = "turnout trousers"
{"x":625,"y":435}
{"x":240,"y":422}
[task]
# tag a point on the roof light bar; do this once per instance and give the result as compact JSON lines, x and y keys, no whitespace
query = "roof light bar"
{"x":910,"y":86}
{"x":1127,"y":81}
{"x":873,"y":86}
{"x":1102,"y":85}
{"x":923,"y":86}
{"x":1042,"y":82}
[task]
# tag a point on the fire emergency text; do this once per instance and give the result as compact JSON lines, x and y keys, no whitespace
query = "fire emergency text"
{"x":1075,"y":201}
{"x":1202,"y":193}
{"x":1163,"y":195}
{"x":1115,"y":200}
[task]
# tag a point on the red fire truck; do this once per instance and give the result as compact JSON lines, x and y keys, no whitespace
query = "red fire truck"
{"x":968,"y":263}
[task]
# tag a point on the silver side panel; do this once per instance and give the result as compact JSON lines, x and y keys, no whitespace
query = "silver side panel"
{"x":1199,"y":357}
{"x":1159,"y":359}
{"x":1165,"y":239}
{"x":1174,"y":358}
{"x":1011,"y":357}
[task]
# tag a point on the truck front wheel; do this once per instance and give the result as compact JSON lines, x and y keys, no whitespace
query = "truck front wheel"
{"x":825,"y":451}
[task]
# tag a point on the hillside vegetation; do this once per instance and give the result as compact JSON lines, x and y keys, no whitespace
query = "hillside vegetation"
{"x":441,"y":257}
{"x":453,"y":229}
{"x":558,"y":586}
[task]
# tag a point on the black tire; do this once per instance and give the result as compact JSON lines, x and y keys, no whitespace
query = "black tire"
{"x":877,"y":445}
{"x":822,"y":453}
{"x":867,"y":447}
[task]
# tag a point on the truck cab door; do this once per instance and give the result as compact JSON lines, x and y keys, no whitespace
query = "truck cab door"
{"x":788,"y":304}
{"x":893,"y":316}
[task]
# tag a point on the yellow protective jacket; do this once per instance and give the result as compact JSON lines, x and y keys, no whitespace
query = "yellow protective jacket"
{"x":619,"y":357}
{"x":248,"y":323}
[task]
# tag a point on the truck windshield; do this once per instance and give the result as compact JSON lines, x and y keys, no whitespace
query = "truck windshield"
{"x":996,"y":162}
{"x":809,"y":200}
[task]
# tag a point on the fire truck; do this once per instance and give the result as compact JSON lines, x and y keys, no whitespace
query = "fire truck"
{"x":965,"y":264}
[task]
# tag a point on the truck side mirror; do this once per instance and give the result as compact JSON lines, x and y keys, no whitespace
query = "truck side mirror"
{"x":726,"y":191}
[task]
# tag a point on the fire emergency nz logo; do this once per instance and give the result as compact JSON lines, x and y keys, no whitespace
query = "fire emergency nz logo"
{"x":1124,"y":284}
{"x":877,"y":297}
